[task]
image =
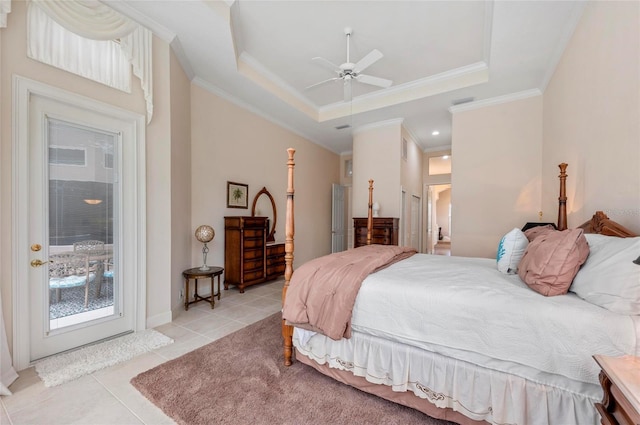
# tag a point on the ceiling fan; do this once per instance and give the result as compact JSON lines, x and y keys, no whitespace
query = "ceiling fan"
{"x":350,"y":71}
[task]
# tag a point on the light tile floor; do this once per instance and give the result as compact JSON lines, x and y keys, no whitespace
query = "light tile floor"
{"x":106,"y":396}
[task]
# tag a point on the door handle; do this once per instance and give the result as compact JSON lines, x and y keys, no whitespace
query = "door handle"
{"x":38,"y":263}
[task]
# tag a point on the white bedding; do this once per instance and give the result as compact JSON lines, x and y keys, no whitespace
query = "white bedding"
{"x":501,"y":325}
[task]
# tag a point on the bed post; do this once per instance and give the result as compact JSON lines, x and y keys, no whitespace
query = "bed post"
{"x":562,"y":199}
{"x":369,"y":213}
{"x":287,"y":331}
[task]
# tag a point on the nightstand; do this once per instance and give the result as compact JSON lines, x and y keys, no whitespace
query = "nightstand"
{"x":620,"y":380}
{"x":197,"y":273}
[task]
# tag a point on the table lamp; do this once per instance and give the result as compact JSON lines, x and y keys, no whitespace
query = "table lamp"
{"x":205,"y":234}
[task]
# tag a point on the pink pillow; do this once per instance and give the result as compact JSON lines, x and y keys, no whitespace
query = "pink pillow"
{"x":536,"y":231}
{"x":552,"y":260}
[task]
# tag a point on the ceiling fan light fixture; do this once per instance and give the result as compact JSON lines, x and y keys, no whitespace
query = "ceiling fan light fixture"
{"x":349,"y":71}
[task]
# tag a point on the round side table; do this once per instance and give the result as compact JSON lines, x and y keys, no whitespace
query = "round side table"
{"x":196,"y":273}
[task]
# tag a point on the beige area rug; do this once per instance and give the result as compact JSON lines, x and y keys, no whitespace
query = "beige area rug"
{"x":241,"y":379}
{"x":65,"y":367}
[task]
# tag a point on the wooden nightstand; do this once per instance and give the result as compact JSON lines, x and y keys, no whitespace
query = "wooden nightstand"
{"x":620,"y":380}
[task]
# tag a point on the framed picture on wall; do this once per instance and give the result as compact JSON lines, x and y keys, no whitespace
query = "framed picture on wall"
{"x":237,"y":195}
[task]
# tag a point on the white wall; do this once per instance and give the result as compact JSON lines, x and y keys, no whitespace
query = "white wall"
{"x":592,"y":117}
{"x":495,"y":179}
{"x":376,"y":155}
{"x":229,"y":143}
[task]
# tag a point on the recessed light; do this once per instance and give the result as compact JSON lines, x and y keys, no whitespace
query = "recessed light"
{"x":445,"y":156}
{"x":435,"y":133}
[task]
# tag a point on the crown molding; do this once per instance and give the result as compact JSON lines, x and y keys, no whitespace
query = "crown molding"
{"x":458,"y":78}
{"x":254,"y":70}
{"x":377,"y":125}
{"x":441,"y":149}
{"x":495,"y":100}
{"x":159,"y":30}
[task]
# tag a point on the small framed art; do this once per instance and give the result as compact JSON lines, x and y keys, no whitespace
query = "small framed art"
{"x":237,"y":195}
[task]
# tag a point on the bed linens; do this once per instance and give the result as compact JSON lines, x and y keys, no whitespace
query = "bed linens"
{"x":480,"y":393}
{"x":496,"y":317}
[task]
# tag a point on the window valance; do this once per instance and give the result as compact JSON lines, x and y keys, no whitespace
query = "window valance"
{"x":89,"y":38}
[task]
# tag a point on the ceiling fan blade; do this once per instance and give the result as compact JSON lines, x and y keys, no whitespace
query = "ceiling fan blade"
{"x":321,"y":82}
{"x":374,"y":81}
{"x":347,"y":90}
{"x":326,"y":64}
{"x":367,"y":61}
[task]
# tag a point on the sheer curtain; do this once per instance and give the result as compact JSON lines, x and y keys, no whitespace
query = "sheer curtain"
{"x":7,"y":372}
{"x":5,"y":9}
{"x":89,"y":38}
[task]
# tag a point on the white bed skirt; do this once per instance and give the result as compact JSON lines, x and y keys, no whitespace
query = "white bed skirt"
{"x":476,"y":392}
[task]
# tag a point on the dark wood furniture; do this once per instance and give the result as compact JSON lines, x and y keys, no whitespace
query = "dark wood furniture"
{"x":275,"y":260}
{"x":620,"y":380}
{"x":384,"y":231}
{"x":197,"y":273}
{"x":248,"y":259}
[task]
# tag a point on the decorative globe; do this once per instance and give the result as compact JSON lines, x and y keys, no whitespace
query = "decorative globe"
{"x":205,"y":233}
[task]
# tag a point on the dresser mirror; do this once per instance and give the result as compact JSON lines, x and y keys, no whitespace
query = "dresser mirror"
{"x":265,"y":206}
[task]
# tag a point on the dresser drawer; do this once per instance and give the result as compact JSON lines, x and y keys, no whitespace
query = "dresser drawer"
{"x":253,"y":243}
{"x":273,"y":260}
{"x":277,"y":249}
{"x":250,"y":254}
{"x":253,"y":275}
{"x":254,"y":233}
{"x":254,"y":264}
{"x":379,"y":232}
{"x":383,"y":232}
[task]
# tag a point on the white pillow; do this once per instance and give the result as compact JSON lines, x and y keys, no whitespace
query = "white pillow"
{"x":510,"y":251}
{"x":609,"y":278}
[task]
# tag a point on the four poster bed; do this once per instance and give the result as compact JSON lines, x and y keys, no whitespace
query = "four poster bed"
{"x":457,"y":339}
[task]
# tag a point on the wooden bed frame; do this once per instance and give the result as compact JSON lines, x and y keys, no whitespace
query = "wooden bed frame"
{"x":600,"y":223}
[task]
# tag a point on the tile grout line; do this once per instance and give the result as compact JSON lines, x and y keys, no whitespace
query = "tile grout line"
{"x":118,"y":398}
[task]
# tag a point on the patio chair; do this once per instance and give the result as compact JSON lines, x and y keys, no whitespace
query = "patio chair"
{"x":70,"y":270}
{"x":89,"y":247}
{"x":95,"y":250}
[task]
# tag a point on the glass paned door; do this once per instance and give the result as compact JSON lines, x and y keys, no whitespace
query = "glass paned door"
{"x":82,"y":216}
{"x":82,"y":236}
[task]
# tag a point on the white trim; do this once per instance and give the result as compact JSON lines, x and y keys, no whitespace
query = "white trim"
{"x":488,"y":32}
{"x":22,"y":89}
{"x":159,"y":30}
{"x":440,"y":148}
{"x":379,"y":124}
{"x":162,"y":318}
{"x":277,"y":81}
{"x":495,"y":100}
{"x":182,"y":58}
{"x":458,"y":78}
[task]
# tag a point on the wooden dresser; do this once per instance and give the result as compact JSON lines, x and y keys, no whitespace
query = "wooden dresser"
{"x":385,"y":231}
{"x":620,"y":380}
{"x":247,"y":257}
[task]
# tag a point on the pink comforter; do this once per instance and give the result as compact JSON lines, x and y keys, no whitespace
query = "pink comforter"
{"x":322,"y":292}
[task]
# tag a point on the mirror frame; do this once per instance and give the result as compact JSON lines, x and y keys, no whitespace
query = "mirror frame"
{"x":272,"y":229}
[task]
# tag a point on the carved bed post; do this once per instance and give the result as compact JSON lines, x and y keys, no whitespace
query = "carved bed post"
{"x":562,"y":199}
{"x":287,"y":331}
{"x":370,"y":214}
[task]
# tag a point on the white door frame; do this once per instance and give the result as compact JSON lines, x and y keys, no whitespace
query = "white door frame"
{"x":23,"y":89}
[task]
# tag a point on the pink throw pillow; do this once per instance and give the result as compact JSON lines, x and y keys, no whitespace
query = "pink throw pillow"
{"x":552,"y":260}
{"x":534,"y":232}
